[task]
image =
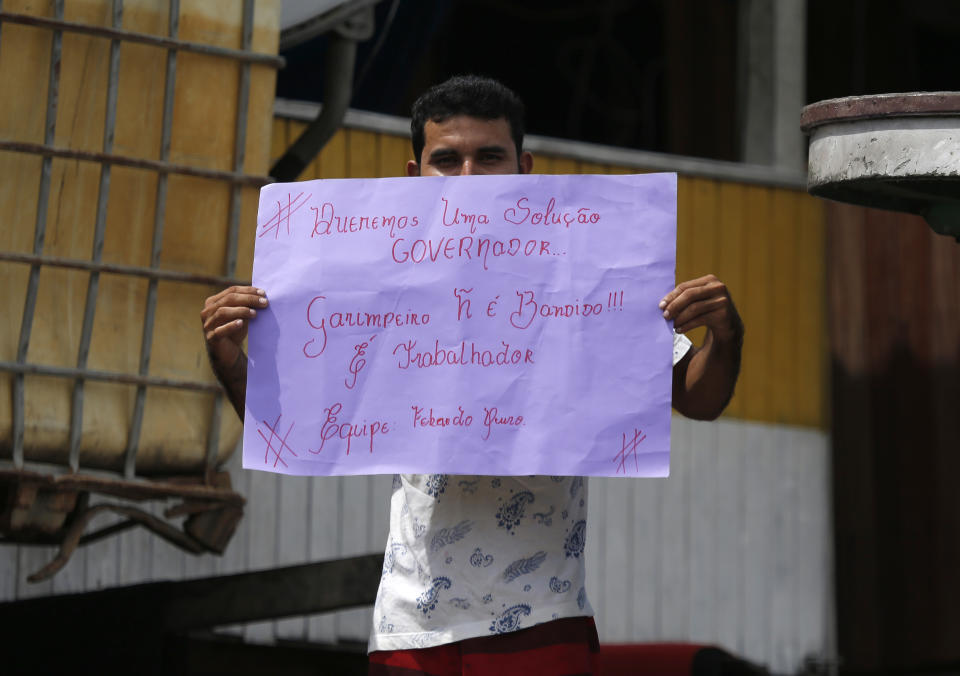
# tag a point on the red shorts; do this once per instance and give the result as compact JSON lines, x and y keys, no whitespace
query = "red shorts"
{"x":568,"y":646}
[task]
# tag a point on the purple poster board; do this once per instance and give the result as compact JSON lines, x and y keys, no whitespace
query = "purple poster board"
{"x":503,"y":325}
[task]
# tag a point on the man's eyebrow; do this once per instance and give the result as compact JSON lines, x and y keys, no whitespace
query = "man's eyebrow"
{"x":437,"y":153}
{"x":492,"y":149}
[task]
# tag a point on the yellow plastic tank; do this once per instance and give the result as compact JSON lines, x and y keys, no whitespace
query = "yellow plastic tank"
{"x":95,"y":200}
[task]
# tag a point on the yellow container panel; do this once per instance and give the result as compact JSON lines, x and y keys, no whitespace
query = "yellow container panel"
{"x":195,"y":227}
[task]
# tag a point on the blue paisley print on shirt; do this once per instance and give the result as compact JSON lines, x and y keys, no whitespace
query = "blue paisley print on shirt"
{"x":523,"y":566}
{"x":447,"y":536}
{"x":480,"y":560}
{"x":436,"y":484}
{"x":509,"y":619}
{"x":573,"y":545}
{"x":510,"y":512}
{"x":427,"y":601}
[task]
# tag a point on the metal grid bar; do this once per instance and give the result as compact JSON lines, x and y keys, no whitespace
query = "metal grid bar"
{"x":59,"y":24}
{"x":240,"y":141}
{"x":40,"y":229}
{"x":146,"y":344}
{"x":99,"y":233}
{"x":239,"y":155}
{"x":48,"y":150}
{"x":106,"y":376}
{"x":117,"y":268}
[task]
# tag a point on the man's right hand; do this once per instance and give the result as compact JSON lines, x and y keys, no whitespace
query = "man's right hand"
{"x":225,"y":318}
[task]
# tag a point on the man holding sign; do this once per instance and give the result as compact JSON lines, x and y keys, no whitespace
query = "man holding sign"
{"x":480,"y":572}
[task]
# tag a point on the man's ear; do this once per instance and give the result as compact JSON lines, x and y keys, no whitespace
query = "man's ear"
{"x":413,"y":169}
{"x":526,"y":162}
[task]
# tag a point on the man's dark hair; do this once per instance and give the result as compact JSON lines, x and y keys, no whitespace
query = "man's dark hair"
{"x":471,"y":95}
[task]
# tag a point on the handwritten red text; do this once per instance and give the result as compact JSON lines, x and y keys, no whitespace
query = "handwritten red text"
{"x":326,"y":222}
{"x":422,"y":418}
{"x":408,"y":356}
{"x":357,"y":363}
{"x":492,"y":417}
{"x":472,"y":248}
{"x":548,"y":215}
{"x":332,"y":428}
{"x":283,"y":215}
{"x":529,"y":308}
{"x":458,"y":217}
{"x":321,"y":320}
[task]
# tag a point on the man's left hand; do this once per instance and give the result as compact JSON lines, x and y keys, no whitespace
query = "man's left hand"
{"x":704,"y":379}
{"x":703,"y":302}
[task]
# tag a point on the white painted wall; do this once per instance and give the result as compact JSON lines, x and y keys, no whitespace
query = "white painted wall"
{"x":733,"y":549}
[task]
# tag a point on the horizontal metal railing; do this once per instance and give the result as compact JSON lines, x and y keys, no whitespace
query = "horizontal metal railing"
{"x":135,"y":162}
{"x":108,"y":376}
{"x":143,"y":38}
{"x":120,"y":269}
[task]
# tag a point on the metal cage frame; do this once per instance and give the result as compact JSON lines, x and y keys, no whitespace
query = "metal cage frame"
{"x":63,"y":493}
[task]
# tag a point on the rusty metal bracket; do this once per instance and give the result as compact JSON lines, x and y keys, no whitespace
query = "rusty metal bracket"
{"x":43,"y":508}
{"x":207,"y":531}
{"x":72,"y":537}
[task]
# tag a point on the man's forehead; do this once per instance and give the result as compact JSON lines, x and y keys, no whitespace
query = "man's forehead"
{"x":467,"y":125}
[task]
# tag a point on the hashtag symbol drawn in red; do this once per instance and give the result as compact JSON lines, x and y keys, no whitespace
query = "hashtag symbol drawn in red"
{"x":284,"y":212}
{"x":629,"y":449}
{"x":275,"y":436}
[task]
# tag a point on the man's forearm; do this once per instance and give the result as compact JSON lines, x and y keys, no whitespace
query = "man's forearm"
{"x":708,"y":382}
{"x":234,"y":381}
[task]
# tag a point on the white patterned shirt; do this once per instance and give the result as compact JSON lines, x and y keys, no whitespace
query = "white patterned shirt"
{"x":471,"y":556}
